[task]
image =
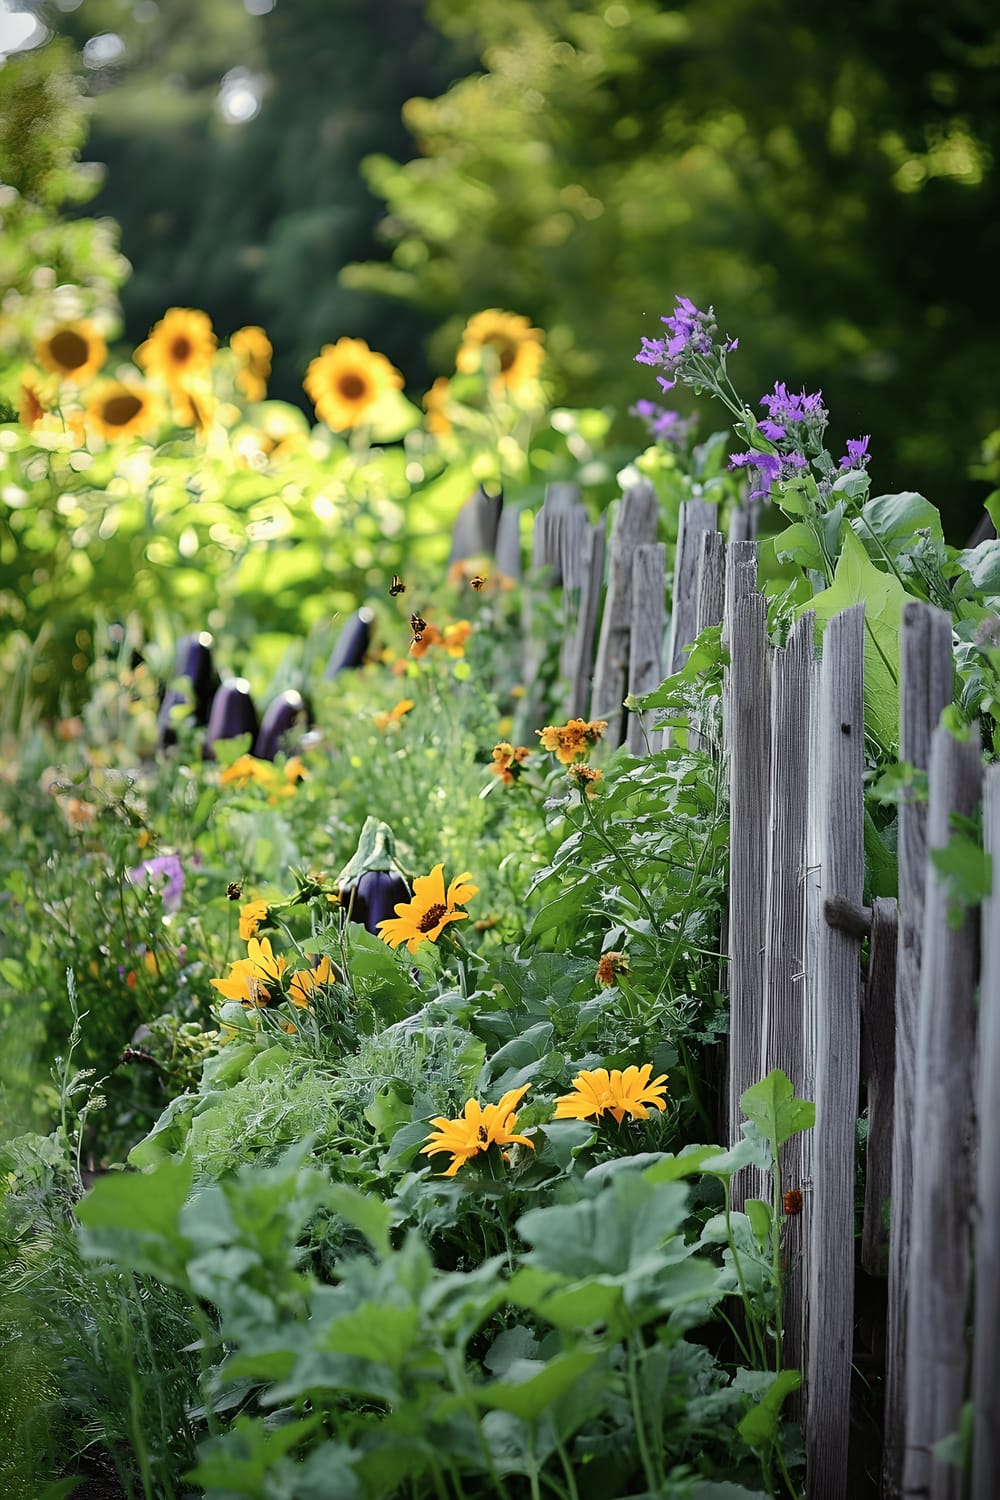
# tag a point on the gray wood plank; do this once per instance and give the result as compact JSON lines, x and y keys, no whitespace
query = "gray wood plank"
{"x":986,"y":1314}
{"x":940,"y":1261}
{"x":634,"y":525}
{"x":696,"y":518}
{"x":925,"y":689}
{"x":645,"y":652}
{"x":878,"y":1053}
{"x":838,"y":1028}
{"x":588,"y":613}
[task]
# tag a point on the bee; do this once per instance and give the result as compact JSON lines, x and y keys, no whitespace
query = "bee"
{"x":417,"y":625}
{"x":397,"y":586}
{"x":477,"y":583}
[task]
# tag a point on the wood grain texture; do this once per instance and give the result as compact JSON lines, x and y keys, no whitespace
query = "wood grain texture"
{"x":749,"y":735}
{"x":986,"y":1315}
{"x":508,"y":543}
{"x":940,"y":1260}
{"x":784,"y":992}
{"x":838,"y":1035}
{"x":711,"y":597}
{"x":573,"y":531}
{"x":925,"y":689}
{"x":814,"y":922}
{"x":588,"y":613}
{"x":645,"y":652}
{"x":475,"y":529}
{"x":634,"y":525}
{"x":697,"y":517}
{"x":878,"y":1062}
{"x":741,"y":580}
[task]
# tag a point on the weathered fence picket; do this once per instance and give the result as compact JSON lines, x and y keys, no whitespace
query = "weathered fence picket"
{"x":836,"y":1008}
{"x":878,"y":1063}
{"x":645,"y":651}
{"x":581,"y":660}
{"x":925,"y":690}
{"x":634,"y":525}
{"x":986,"y":1312}
{"x":475,"y":530}
{"x":697,"y":517}
{"x":940,"y":1245}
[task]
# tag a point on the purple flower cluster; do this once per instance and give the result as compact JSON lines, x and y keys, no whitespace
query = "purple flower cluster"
{"x":663,"y":425}
{"x":766,"y":468}
{"x":857,"y":455}
{"x":166,"y":874}
{"x":798,"y":418}
{"x":691,"y":337}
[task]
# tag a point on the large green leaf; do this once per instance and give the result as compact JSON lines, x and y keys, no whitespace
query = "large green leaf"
{"x":893,"y":520}
{"x":132,"y":1218}
{"x":858,"y":581}
{"x":772,"y":1106}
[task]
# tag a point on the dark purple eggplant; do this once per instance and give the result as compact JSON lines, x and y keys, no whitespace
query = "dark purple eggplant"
{"x":374,"y":897}
{"x":352,"y":643}
{"x":194,"y":661}
{"x":283,"y":715}
{"x":232,"y":713}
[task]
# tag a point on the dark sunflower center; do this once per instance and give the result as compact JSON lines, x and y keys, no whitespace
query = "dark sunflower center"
{"x":351,"y":386}
{"x":118,"y":411}
{"x":432,"y":917}
{"x":506,"y":353}
{"x":70,"y":349}
{"x":180,"y":348}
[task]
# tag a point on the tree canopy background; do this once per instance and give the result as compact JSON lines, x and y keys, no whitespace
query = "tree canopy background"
{"x":827,"y":180}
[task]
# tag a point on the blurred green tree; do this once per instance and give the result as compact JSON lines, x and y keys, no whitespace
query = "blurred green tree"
{"x":826,"y":180}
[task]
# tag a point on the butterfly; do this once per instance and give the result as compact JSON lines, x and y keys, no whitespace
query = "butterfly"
{"x":397,"y":586}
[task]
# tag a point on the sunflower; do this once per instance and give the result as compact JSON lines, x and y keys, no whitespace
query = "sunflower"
{"x":250,"y":978}
{"x":504,"y":345}
{"x":253,"y":351}
{"x":119,"y":409}
{"x":74,"y":351}
{"x":305,"y":982}
{"x":423,"y":919}
{"x":179,"y":346}
{"x":346,"y":380}
{"x":30,"y":407}
{"x":193,"y":405}
{"x":480,"y":1127}
{"x":597,"y":1092}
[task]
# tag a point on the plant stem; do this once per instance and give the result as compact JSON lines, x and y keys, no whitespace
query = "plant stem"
{"x":622,"y":859}
{"x":637,"y":1417}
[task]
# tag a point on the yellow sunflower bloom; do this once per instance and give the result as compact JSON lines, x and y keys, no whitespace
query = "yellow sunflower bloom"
{"x":181,"y":345}
{"x":251,"y":979}
{"x":30,"y":407}
{"x":346,"y":380}
{"x":117,"y":409}
{"x":73,"y":351}
{"x":305,"y":982}
{"x":194,"y":405}
{"x":502,"y":344}
{"x":251,"y":916}
{"x":480,"y":1127}
{"x":423,"y":919}
{"x":597,"y":1092}
{"x":253,"y":351}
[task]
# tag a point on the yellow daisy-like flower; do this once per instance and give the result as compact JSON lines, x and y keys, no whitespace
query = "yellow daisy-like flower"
{"x":346,"y":380}
{"x":246,"y":769}
{"x":117,"y":409}
{"x":480,"y":1127}
{"x":73,"y":351}
{"x":392,"y":715}
{"x":423,"y":919}
{"x":597,"y":1092}
{"x":194,"y":405}
{"x":253,"y":351}
{"x":503,"y":344}
{"x":251,"y":917}
{"x":436,"y":406}
{"x":305,"y":982}
{"x":251,"y":979}
{"x":180,"y":346}
{"x":573,"y":739}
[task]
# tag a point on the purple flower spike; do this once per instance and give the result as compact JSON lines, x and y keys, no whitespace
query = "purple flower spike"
{"x":166,"y":874}
{"x":857,"y":455}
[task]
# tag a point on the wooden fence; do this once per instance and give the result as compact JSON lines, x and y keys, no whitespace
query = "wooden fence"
{"x":888,"y":1034}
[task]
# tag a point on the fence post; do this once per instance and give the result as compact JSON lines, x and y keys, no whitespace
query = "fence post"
{"x":574,"y":530}
{"x":925,"y":690}
{"x":748,"y":733}
{"x":697,"y":517}
{"x":634,"y":525}
{"x":582,"y":653}
{"x":986,"y":1313}
{"x":940,"y":1246}
{"x":837,"y":1019}
{"x":508,"y":544}
{"x":878,"y":1053}
{"x":645,"y":651}
{"x":784,"y":993}
{"x":711,"y":602}
{"x":475,"y":529}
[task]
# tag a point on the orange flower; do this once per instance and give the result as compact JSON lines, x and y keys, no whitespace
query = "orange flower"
{"x":585,"y":779}
{"x":572,"y":739}
{"x":610,"y":964}
{"x":436,"y":407}
{"x":455,"y":637}
{"x":30,"y":408}
{"x":597,"y":1092}
{"x":429,"y":636}
{"x":508,"y":760}
{"x":479,"y":1128}
{"x":253,"y":351}
{"x":393,"y":715}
